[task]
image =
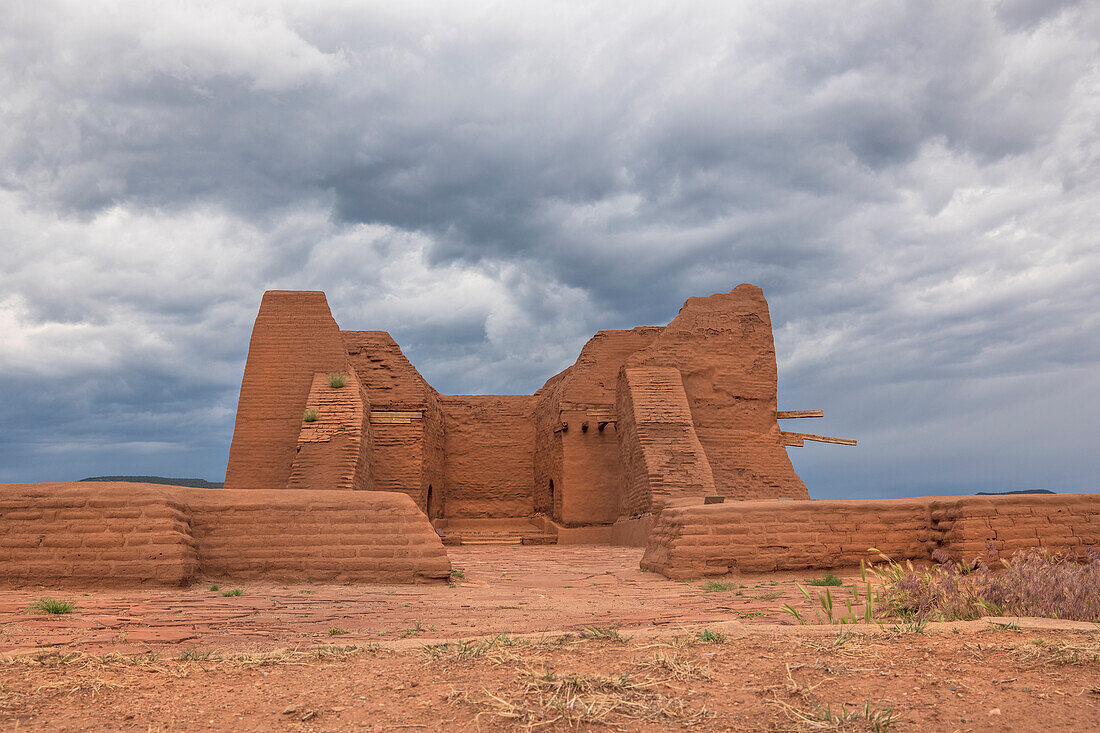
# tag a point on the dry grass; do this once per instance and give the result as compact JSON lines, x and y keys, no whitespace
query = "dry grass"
{"x":80,"y":682}
{"x":8,"y":696}
{"x":674,"y":667}
{"x":539,"y":698}
{"x":877,"y":717}
{"x":152,"y":662}
{"x":545,"y":687}
{"x":1080,"y":650}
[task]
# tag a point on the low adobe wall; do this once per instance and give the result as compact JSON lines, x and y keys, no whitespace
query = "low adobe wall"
{"x":759,"y":536}
{"x":123,"y":534}
{"x":95,"y":533}
{"x":340,"y":536}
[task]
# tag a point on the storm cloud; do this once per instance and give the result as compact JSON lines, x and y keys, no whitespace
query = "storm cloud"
{"x":916,"y":186}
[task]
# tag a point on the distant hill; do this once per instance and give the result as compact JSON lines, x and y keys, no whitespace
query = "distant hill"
{"x":1020,"y":491}
{"x":197,"y":483}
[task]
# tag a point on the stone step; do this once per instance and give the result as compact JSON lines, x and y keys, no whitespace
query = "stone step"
{"x":503,"y":538}
{"x":493,"y":531}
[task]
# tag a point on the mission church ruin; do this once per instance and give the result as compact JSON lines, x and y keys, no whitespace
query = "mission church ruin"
{"x":645,"y":417}
{"x":347,"y":466}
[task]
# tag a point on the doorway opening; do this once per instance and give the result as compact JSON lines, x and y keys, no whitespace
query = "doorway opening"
{"x":433,"y":504}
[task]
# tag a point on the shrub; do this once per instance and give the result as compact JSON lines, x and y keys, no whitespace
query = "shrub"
{"x":50,"y":605}
{"x":309,"y":415}
{"x":1036,"y":583}
{"x":337,"y":379}
{"x":231,"y":593}
{"x":1033,"y":583}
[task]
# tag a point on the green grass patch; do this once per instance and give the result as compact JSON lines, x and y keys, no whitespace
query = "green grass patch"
{"x":52,"y":606}
{"x":827,"y":579}
{"x":234,"y":592}
{"x":309,"y":415}
{"x":717,"y":586}
{"x":601,"y":633}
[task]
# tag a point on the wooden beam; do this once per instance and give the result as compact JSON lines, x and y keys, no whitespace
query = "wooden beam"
{"x":787,"y":414}
{"x":800,"y":437}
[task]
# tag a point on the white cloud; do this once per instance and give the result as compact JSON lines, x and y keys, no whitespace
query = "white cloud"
{"x":916,"y":187}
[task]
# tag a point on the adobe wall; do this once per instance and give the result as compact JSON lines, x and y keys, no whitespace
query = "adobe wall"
{"x":293,"y":338}
{"x":406,"y":454}
{"x":488,"y":457}
{"x":699,"y":540}
{"x":722,"y":346}
{"x":432,"y":467}
{"x":114,"y":534}
{"x":389,"y":378}
{"x":662,"y":458}
{"x":314,"y":535}
{"x":589,"y":492}
{"x":547,"y":458}
{"x":124,"y":534}
{"x":584,"y":465}
{"x":333,"y":451}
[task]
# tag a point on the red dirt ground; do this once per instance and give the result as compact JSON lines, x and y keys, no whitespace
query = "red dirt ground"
{"x":514,"y":590}
{"x":192,"y":659}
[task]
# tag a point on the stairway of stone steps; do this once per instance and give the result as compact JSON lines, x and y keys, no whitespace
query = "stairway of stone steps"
{"x":495,"y":531}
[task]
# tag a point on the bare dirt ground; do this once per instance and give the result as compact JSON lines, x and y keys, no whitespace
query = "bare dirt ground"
{"x":602,"y":645}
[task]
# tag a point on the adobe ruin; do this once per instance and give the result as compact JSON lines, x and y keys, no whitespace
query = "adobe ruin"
{"x":645,"y":417}
{"x":666,"y":438}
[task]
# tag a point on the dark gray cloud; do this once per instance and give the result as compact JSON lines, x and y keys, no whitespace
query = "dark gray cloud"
{"x":915,"y":186}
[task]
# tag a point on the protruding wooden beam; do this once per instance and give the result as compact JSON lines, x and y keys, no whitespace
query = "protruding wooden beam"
{"x":562,"y":427}
{"x":796,"y":439}
{"x":603,"y":424}
{"x":787,"y":414}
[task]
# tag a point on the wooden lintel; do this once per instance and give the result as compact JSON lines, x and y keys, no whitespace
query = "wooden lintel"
{"x":390,"y":420}
{"x":408,"y":414}
{"x":787,"y":414}
{"x":800,"y":437}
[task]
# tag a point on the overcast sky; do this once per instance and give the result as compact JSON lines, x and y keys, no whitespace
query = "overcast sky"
{"x":916,"y":186}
